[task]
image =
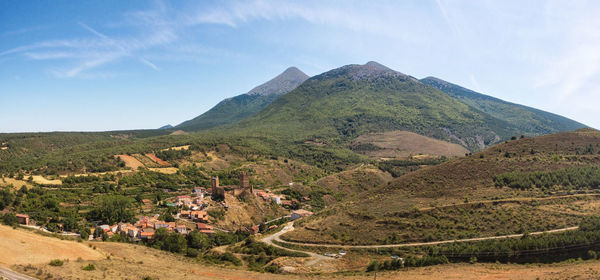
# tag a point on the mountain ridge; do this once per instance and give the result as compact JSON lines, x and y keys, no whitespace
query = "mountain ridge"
{"x":539,"y":122}
{"x":355,"y":99}
{"x":233,"y":109}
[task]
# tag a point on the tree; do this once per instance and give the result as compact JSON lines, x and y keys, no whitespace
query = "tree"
{"x":138,"y":198}
{"x":112,"y":209}
{"x":175,"y":243}
{"x":10,"y":219}
{"x":198,"y":240}
{"x":167,"y":217}
{"x":6,"y":198}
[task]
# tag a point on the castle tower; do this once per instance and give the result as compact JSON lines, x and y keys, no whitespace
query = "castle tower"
{"x":214,"y":181}
{"x":244,"y":180}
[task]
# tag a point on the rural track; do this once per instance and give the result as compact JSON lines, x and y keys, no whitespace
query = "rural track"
{"x":9,"y":274}
{"x":510,"y":200}
{"x":290,"y":227}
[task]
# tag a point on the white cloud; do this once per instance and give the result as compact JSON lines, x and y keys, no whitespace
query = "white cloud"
{"x":152,"y":65}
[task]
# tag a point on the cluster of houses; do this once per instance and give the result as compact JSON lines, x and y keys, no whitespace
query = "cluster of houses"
{"x":191,"y":211}
{"x":266,"y":195}
{"x":145,"y":227}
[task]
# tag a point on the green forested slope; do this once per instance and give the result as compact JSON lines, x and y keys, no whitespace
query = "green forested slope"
{"x":528,"y":120}
{"x":245,"y":105}
{"x":352,"y":100}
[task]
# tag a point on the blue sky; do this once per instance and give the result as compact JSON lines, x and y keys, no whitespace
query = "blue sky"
{"x":112,"y":65}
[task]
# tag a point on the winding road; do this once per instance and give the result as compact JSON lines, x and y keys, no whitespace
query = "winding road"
{"x":290,"y":226}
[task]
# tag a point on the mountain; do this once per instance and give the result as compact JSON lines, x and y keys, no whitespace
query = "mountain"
{"x":529,"y":120}
{"x":245,"y":105}
{"x":356,"y":99}
{"x":168,"y":126}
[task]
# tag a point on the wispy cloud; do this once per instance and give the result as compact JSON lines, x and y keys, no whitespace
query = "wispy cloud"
{"x":88,"y":53}
{"x":374,"y":17}
{"x":152,"y":65}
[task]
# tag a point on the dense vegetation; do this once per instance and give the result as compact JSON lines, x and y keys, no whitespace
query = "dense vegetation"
{"x":461,"y":198}
{"x":243,"y":106}
{"x":582,"y":243}
{"x":400,"y":167}
{"x":377,"y":101}
{"x":528,"y":120}
{"x":572,"y":178}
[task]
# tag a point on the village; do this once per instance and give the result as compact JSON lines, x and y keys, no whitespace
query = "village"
{"x":191,"y":213}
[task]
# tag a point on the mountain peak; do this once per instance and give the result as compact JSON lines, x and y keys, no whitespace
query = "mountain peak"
{"x":370,"y":69}
{"x":288,"y":80}
{"x":376,"y":66}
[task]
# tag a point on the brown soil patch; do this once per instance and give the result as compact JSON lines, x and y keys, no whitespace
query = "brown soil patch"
{"x":394,"y":144}
{"x":178,"y":132}
{"x":154,"y":158}
{"x":130,"y":161}
{"x":19,"y":246}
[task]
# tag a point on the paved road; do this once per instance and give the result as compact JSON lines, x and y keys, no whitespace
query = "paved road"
{"x":7,"y":273}
{"x":276,"y":219}
{"x":290,"y":227}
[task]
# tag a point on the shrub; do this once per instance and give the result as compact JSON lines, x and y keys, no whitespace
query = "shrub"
{"x":89,"y":267}
{"x":56,"y":262}
{"x":192,"y":253}
{"x":10,"y":219}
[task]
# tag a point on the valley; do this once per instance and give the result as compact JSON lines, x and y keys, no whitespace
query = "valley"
{"x":356,"y":170}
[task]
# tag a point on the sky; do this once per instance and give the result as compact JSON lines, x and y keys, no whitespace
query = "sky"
{"x":117,"y":65}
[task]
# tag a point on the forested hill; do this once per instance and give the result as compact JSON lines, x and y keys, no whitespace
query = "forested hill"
{"x":355,"y":99}
{"x":528,"y":120}
{"x":521,"y":185}
{"x":245,"y":105}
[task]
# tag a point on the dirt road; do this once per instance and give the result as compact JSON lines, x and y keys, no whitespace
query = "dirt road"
{"x":9,"y":274}
{"x":290,"y":227}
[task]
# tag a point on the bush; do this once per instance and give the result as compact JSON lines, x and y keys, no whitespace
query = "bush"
{"x":10,"y":219}
{"x":374,"y":266}
{"x":192,"y":253}
{"x":56,"y":262}
{"x":89,"y":267}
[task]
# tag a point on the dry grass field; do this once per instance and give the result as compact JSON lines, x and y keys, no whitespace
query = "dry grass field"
{"x":43,"y":181}
{"x":17,"y":184}
{"x":130,"y":161}
{"x":164,"y":170}
{"x":19,"y":246}
{"x":395,"y":144}
{"x":185,"y":147}
{"x":30,"y":253}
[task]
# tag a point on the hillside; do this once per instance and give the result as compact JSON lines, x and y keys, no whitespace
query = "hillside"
{"x":529,"y":121}
{"x":402,"y":144}
{"x":356,"y":99}
{"x":523,"y":185}
{"x":245,"y":105}
{"x":129,"y":261}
